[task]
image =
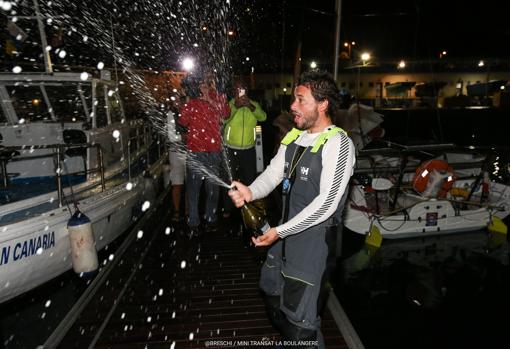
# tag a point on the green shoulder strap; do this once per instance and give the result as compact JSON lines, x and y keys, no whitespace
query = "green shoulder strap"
{"x":324,"y":137}
{"x":291,"y":136}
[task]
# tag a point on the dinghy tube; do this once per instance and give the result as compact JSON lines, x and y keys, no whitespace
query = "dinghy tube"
{"x":83,"y":246}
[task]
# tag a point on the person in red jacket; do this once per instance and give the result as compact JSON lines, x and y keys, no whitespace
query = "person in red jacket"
{"x":203,"y":116}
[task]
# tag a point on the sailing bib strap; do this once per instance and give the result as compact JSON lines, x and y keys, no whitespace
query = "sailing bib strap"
{"x":291,"y":136}
{"x":324,"y":137}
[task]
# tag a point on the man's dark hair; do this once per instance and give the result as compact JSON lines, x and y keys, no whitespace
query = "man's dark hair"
{"x":191,"y":85}
{"x":323,"y":87}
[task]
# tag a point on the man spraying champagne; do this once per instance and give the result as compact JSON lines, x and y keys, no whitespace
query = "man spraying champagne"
{"x":314,"y":164}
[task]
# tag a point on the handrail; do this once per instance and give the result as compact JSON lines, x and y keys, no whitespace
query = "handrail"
{"x":10,"y":152}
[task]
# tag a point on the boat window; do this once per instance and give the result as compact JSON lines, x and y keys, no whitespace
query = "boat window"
{"x":101,"y":117}
{"x":3,"y":118}
{"x":67,"y":103}
{"x":115,"y":107}
{"x":28,"y":102}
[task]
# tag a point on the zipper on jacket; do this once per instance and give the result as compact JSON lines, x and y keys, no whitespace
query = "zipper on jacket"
{"x":242,"y":133}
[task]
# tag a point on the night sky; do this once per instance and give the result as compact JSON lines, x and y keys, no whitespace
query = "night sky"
{"x":389,"y":30}
{"x":157,"y":34}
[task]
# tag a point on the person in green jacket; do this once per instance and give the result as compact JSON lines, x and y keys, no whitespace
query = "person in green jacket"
{"x":239,"y":136}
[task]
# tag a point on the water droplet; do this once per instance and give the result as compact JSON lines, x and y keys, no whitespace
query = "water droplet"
{"x":146,"y":206}
{"x":191,"y":336}
{"x":129,"y":186}
{"x":167,"y":231}
{"x":84,"y":76}
{"x":123,"y":315}
{"x":48,"y":303}
{"x":116,"y":134}
{"x":140,"y":234}
{"x":100,"y":65}
{"x":149,"y":319}
{"x":110,"y":257}
{"x":39,"y":251}
{"x":5,"y":5}
{"x":160,"y":293}
{"x":16,"y":70}
{"x":183,"y":264}
{"x":62,"y":54}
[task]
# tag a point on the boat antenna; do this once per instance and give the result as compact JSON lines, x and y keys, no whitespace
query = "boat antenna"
{"x":44,"y":43}
{"x":113,"y":49}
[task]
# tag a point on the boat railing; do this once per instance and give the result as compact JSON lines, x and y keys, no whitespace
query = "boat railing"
{"x":151,"y":145}
{"x":12,"y":153}
{"x":408,"y":168}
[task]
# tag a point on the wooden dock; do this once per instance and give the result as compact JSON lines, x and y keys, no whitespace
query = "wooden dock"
{"x":167,"y":290}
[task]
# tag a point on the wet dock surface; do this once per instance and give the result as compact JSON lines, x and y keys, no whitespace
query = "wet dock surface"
{"x":172,"y":291}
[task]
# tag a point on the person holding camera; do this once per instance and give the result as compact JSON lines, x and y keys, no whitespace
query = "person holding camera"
{"x":202,"y":116}
{"x":239,"y":137}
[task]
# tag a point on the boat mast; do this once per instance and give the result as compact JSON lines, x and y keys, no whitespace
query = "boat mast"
{"x":337,"y":38}
{"x":46,"y":54}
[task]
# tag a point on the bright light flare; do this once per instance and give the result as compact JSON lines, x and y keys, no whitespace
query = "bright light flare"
{"x":188,"y":64}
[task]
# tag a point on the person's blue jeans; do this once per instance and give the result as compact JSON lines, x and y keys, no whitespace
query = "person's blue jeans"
{"x":210,"y":165}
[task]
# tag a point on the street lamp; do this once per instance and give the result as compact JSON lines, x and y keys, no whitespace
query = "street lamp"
{"x":349,"y":46}
{"x":402,"y":64}
{"x":365,"y":57}
{"x":313,"y":65}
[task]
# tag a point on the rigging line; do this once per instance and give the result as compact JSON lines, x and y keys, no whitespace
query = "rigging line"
{"x":70,"y":187}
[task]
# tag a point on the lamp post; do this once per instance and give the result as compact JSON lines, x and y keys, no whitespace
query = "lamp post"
{"x":349,"y":46}
{"x":365,"y":57}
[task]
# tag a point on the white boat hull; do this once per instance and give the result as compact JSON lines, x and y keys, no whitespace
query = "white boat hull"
{"x":428,"y":217}
{"x":36,"y":250}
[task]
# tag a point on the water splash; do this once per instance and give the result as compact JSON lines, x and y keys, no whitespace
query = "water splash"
{"x":150,"y":35}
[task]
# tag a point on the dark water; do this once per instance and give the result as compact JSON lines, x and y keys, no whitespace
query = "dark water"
{"x":435,"y":292}
{"x":29,"y":319}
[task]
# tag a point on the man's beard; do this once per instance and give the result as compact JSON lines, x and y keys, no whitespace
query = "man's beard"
{"x":308,"y":121}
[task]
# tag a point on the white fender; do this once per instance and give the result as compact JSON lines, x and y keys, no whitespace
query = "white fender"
{"x":83,"y":246}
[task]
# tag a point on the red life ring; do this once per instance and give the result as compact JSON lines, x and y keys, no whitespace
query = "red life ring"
{"x":423,"y":172}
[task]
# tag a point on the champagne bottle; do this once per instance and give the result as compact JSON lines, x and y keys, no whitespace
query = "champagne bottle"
{"x":254,"y":216}
{"x":254,"y":219}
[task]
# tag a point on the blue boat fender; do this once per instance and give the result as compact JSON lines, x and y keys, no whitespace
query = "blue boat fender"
{"x":83,"y":245}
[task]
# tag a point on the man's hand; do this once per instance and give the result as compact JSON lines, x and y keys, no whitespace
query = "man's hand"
{"x":240,"y":194}
{"x":267,"y":239}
